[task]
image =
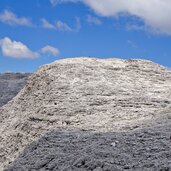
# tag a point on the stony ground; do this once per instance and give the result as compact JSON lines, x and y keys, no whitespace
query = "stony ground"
{"x":10,"y":85}
{"x":90,"y":114}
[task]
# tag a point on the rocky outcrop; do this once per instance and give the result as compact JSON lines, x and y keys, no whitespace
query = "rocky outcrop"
{"x":89,"y":114}
{"x":10,"y":85}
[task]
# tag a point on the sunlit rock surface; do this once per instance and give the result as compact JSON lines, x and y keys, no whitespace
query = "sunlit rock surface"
{"x":89,"y":114}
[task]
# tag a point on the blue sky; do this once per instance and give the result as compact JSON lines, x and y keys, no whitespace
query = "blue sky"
{"x":36,"y":32}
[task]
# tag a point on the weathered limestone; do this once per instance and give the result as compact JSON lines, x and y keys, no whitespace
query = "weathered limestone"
{"x":89,"y":114}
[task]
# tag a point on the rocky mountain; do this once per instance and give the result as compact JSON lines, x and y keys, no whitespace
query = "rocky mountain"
{"x":10,"y":85}
{"x":87,"y":114}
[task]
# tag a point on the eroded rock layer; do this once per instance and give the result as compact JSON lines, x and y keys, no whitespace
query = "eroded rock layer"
{"x":89,"y":114}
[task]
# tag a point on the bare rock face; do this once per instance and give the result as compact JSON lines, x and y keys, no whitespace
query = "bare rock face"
{"x":10,"y":85}
{"x":86,"y":114}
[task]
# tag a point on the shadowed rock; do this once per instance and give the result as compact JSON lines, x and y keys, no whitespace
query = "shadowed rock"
{"x":10,"y":85}
{"x":90,"y":151}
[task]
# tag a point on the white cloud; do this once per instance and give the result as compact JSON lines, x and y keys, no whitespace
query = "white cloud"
{"x":155,"y":14}
{"x":78,"y":25}
{"x":62,"y":26}
{"x":46,"y":24}
{"x":10,"y":18}
{"x":93,"y":20}
{"x":50,"y":50}
{"x":55,"y":2}
{"x":132,"y":44}
{"x":16,"y":49}
{"x":134,"y":26}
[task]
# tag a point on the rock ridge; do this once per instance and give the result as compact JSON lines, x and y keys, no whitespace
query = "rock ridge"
{"x":104,"y":101}
{"x":10,"y":85}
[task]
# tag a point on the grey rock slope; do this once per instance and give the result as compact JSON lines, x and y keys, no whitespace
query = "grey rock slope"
{"x":10,"y":85}
{"x":89,"y":114}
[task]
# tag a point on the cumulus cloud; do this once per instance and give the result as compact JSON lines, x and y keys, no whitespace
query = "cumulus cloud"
{"x":61,"y":25}
{"x":93,"y":20}
{"x":155,"y":14}
{"x":16,"y":49}
{"x":50,"y":50}
{"x":47,"y":24}
{"x":10,"y":18}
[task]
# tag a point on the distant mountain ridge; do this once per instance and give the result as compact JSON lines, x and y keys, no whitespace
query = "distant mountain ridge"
{"x":10,"y":85}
